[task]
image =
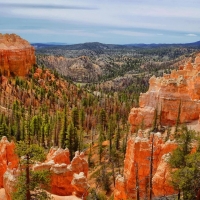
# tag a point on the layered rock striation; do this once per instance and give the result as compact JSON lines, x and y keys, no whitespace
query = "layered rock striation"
{"x":136,"y":175}
{"x":17,"y":56}
{"x":171,"y":97}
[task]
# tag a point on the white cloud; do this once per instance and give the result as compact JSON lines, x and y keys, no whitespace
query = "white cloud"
{"x":191,"y":35}
{"x":51,"y":32}
{"x":129,"y":33}
{"x":126,"y":18}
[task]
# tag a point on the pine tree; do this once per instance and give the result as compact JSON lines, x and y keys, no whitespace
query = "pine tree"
{"x":102,"y":118}
{"x":72,"y":140}
{"x":30,"y":184}
{"x":81,"y":118}
{"x":75,"y":117}
{"x":185,"y":166}
{"x":63,"y":134}
{"x":117,"y":138}
{"x":4,"y":130}
{"x":100,"y":140}
{"x":35,"y":126}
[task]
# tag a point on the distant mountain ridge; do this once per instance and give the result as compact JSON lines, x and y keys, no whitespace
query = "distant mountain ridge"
{"x":101,"y":46}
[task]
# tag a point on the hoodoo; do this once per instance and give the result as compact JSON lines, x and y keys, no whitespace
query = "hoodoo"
{"x":67,"y":177}
{"x":17,"y":56}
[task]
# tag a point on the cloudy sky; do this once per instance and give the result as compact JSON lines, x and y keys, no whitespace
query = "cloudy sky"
{"x":106,"y":21}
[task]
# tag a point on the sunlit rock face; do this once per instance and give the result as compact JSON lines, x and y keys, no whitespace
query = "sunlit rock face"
{"x":7,"y":156}
{"x":70,"y":178}
{"x":137,"y":158}
{"x":17,"y":56}
{"x":171,"y":96}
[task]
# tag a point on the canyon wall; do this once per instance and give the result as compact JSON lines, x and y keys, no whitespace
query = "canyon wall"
{"x":17,"y":56}
{"x":137,"y":164}
{"x":173,"y":96}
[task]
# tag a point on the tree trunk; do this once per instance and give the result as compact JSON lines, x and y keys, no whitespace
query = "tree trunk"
{"x":28,"y":194}
{"x":179,"y":194}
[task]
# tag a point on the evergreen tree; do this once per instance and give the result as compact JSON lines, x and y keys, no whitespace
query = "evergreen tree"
{"x":72,"y":140}
{"x":30,"y":184}
{"x":117,"y":138}
{"x":35,"y":126}
{"x":75,"y":117}
{"x":81,"y":118}
{"x":185,"y":166}
{"x":100,"y":145}
{"x":102,"y":118}
{"x":63,"y":134}
{"x":4,"y":130}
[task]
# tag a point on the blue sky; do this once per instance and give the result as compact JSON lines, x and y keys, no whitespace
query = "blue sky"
{"x":106,"y":21}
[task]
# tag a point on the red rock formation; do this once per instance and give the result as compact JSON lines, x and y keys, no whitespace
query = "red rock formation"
{"x":16,"y":55}
{"x":6,"y":156}
{"x":66,"y":178}
{"x":170,"y":95}
{"x":63,"y":176}
{"x":138,"y":153}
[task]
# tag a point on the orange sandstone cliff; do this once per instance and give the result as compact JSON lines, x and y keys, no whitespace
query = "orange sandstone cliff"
{"x":16,"y":55}
{"x":173,"y":95}
{"x":137,"y":163}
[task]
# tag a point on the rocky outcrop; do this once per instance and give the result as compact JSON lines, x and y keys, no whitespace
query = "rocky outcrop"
{"x":7,"y":156}
{"x":173,"y":96}
{"x":67,"y":177}
{"x":137,"y":163}
{"x":17,"y":56}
